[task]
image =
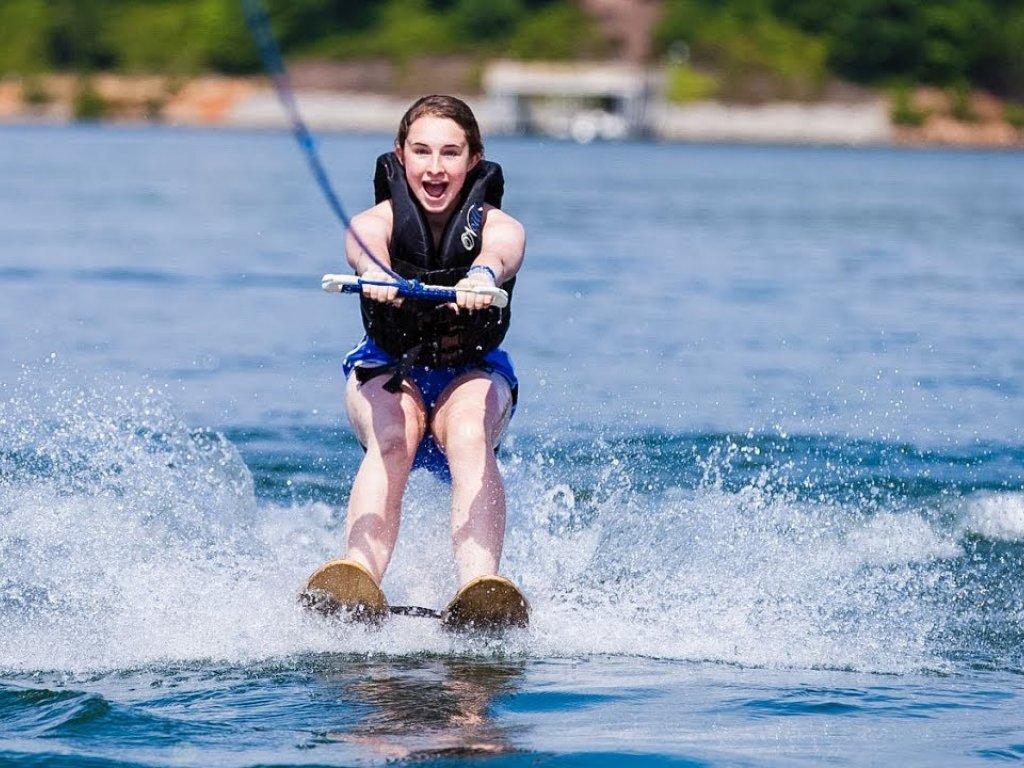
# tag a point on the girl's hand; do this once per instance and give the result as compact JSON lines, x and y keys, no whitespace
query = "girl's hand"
{"x":478,"y":277}
{"x":387,"y":294}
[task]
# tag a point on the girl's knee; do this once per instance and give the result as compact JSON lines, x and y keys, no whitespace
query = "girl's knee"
{"x":396,"y":440}
{"x":461,"y":435}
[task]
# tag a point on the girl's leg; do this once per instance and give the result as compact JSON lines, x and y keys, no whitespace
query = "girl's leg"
{"x":468,"y":421}
{"x":390,"y":426}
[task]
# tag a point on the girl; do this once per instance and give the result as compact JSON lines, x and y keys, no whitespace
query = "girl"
{"x":429,"y":385}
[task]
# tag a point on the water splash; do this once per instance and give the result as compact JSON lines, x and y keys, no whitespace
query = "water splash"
{"x":113,"y":516}
{"x":754,"y":577}
{"x":129,"y":539}
{"x":998,"y":516}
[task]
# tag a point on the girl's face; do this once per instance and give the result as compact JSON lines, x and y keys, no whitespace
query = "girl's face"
{"x":436,"y":159}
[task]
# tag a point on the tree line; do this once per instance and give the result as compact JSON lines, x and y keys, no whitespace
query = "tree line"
{"x":798,"y":43}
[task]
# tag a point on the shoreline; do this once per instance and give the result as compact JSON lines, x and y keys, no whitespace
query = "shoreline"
{"x":250,"y":103}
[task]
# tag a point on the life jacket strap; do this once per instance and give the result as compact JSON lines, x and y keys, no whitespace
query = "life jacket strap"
{"x":399,"y":370}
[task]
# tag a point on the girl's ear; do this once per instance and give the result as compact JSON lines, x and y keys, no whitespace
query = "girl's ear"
{"x":474,"y":160}
{"x":398,"y":154}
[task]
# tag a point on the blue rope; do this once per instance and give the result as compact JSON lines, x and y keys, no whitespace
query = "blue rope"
{"x":410,"y":289}
{"x":273,"y":63}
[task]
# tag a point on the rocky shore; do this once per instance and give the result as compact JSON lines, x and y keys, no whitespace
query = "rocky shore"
{"x":926,"y":117}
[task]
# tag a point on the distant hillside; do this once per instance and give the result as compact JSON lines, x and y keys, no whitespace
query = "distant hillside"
{"x":952,"y":70}
{"x":737,"y":49}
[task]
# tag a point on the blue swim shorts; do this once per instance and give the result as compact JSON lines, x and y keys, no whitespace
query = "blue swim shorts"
{"x":431,"y":383}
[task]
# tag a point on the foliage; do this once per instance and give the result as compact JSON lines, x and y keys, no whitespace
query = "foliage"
{"x":75,"y":34}
{"x":88,"y":103}
{"x":1014,"y":115}
{"x":743,"y":40}
{"x":942,"y":42}
{"x":559,"y":31}
{"x":403,"y":29}
{"x":938,"y":42}
{"x":156,"y":37}
{"x":687,"y":84}
{"x":794,"y":46}
{"x":223,"y":38}
{"x":23,"y":36}
{"x":400,"y":30}
{"x":1002,"y":68}
{"x":486,"y":20}
{"x":34,"y":93}
{"x":902,"y":110}
{"x":297,"y":22}
{"x":170,"y":36}
{"x":960,"y":103}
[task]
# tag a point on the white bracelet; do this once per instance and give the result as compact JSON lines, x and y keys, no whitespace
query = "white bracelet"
{"x":483,"y":268}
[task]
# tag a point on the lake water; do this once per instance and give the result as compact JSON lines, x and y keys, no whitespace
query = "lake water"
{"x":766,"y":479}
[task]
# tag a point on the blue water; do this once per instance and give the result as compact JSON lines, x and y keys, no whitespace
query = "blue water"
{"x":766,"y":479}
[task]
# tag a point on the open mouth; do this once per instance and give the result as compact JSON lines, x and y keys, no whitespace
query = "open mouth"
{"x":435,"y":189}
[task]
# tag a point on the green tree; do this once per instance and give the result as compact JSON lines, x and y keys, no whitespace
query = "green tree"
{"x":556,"y":31}
{"x":24,"y":34}
{"x":299,"y":23}
{"x":401,"y":30}
{"x":814,"y":16}
{"x":746,"y":42}
{"x":223,"y":38}
{"x":76,"y":39}
{"x":1001,"y":65}
{"x":681,"y":21}
{"x":481,"y":21}
{"x":156,"y":37}
{"x":942,"y":41}
{"x":87,"y":103}
{"x":955,"y":34}
{"x":792,"y":43}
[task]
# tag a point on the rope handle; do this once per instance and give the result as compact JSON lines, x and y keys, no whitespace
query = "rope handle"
{"x":412,"y":289}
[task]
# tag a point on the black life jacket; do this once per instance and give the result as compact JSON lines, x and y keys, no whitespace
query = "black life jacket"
{"x":423,"y":332}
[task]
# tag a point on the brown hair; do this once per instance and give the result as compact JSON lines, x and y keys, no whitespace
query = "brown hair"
{"x":443,"y":106}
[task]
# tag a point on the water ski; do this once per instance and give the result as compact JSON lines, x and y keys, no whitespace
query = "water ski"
{"x":345,"y":586}
{"x":487,"y":603}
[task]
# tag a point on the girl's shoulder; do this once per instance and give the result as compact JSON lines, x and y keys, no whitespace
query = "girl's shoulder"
{"x":379,"y":218}
{"x":496,"y":217}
